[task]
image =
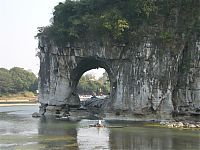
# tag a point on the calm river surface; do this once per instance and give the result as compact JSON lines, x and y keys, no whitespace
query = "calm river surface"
{"x":19,"y":131}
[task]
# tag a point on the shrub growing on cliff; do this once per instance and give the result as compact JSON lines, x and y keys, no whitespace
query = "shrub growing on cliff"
{"x":122,"y":21}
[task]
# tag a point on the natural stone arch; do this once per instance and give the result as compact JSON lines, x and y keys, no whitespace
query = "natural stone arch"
{"x":145,"y":85}
{"x":131,"y":92}
{"x":141,"y":81}
{"x":152,"y":55}
{"x":88,"y":63}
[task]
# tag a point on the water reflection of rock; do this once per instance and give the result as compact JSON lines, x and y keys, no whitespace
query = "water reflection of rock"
{"x":51,"y":126}
{"x":92,"y":138}
{"x":56,"y":134}
{"x":139,"y":141}
{"x":150,"y":139}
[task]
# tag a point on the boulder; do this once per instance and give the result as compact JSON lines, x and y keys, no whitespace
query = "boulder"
{"x":36,"y":115}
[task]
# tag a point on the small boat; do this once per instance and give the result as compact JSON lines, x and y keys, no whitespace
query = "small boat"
{"x":96,"y":125}
{"x":99,"y":124}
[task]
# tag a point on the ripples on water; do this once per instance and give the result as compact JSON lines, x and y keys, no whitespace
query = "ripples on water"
{"x":98,"y":138}
{"x":18,"y":130}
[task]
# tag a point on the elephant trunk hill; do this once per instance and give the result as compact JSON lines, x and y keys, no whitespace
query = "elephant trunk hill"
{"x":150,"y":50}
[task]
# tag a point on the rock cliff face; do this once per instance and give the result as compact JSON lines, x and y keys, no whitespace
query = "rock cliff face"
{"x":152,"y":57}
{"x":143,"y":83}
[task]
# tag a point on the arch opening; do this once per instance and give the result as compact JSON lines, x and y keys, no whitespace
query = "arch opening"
{"x":98,"y":88}
{"x":94,"y":83}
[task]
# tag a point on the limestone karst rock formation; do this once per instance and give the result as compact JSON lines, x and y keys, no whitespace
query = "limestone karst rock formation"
{"x":148,"y":80}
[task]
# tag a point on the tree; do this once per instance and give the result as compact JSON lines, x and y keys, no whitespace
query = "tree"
{"x":88,"y":85}
{"x":124,"y":22}
{"x":17,"y":80}
{"x":23,"y":80}
{"x":6,"y":83}
{"x":104,"y":80}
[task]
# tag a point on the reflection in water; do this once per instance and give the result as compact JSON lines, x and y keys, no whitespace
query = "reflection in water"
{"x":139,"y":139}
{"x":143,"y":138}
{"x":57,"y":134}
{"x":53,"y":127}
{"x":90,"y":138}
{"x":18,"y":130}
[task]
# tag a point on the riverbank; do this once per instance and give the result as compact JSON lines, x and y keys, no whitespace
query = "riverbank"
{"x":18,"y":99}
{"x":17,"y":104}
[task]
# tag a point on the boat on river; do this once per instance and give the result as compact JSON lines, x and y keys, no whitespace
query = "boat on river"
{"x":100,"y":125}
{"x":96,"y":125}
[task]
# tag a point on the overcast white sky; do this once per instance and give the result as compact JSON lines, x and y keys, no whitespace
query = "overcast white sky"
{"x":19,"y":20}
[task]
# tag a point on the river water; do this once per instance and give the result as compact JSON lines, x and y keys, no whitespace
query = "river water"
{"x":19,"y":131}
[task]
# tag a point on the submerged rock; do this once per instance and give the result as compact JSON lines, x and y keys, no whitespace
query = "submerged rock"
{"x":36,"y":115}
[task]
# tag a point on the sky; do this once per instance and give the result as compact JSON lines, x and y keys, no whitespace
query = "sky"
{"x":19,"y":20}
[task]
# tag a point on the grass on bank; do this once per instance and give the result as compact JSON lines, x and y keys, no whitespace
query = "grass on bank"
{"x":29,"y":96}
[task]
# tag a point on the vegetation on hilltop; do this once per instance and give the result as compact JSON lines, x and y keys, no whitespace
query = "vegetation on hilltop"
{"x":123,"y":21}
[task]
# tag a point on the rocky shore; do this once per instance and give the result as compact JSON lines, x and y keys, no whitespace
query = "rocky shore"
{"x":96,"y":107}
{"x":181,"y":124}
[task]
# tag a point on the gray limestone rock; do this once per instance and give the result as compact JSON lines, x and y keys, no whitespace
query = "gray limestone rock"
{"x":36,"y":115}
{"x":143,"y":80}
